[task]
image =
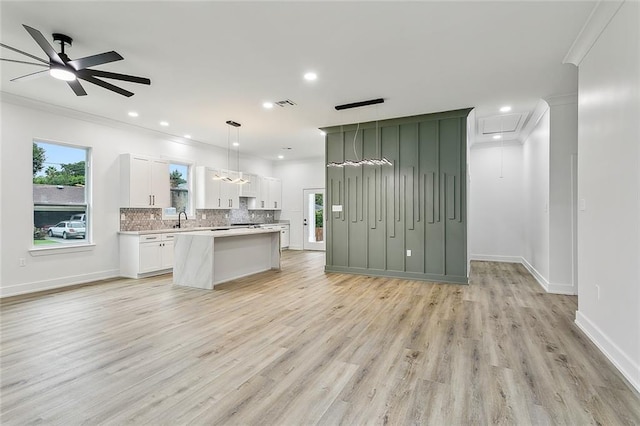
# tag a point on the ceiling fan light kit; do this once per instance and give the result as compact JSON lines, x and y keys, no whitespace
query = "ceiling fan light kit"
{"x":63,"y":68}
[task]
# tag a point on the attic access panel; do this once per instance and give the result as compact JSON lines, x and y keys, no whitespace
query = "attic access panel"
{"x":509,"y":123}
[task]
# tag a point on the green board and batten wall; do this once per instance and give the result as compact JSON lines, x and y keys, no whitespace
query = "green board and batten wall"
{"x":417,"y":204}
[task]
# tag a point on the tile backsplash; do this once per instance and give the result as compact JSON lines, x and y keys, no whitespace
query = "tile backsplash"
{"x":148,"y":219}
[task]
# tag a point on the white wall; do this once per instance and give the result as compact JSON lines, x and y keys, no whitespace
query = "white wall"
{"x":496,"y":228}
{"x":563,"y":149}
{"x":536,"y":201}
{"x":21,"y":123}
{"x":609,"y":184}
{"x":296,"y":176}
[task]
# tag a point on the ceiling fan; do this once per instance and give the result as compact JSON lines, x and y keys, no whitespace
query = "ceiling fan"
{"x":60,"y":66}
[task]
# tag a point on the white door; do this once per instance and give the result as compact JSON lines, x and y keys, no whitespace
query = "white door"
{"x":313,"y":220}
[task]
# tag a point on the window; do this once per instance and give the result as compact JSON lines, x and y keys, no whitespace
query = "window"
{"x":60,"y":188}
{"x":180,"y":189}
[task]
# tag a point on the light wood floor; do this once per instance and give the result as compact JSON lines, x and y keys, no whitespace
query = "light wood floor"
{"x":302,"y":347}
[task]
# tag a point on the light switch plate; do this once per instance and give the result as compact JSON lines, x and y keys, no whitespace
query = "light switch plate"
{"x":583,"y":204}
{"x":122,"y":217}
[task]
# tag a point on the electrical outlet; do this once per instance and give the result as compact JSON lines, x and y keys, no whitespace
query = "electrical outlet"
{"x":22,"y":261}
{"x":583,"y":204}
{"x":268,"y":215}
{"x":204,"y":216}
{"x":122,"y":217}
{"x":253,"y":215}
{"x":409,"y":253}
{"x":226,"y":215}
{"x":151,"y":216}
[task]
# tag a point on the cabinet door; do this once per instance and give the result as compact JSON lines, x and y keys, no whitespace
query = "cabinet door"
{"x":232,"y":191}
{"x":249,"y":189}
{"x":275,"y":194}
{"x":150,"y":257}
{"x":160,"y":185}
{"x":284,"y":237}
{"x":167,"y":254}
{"x":213,"y":193}
{"x":140,"y":182}
{"x":263,"y":196}
{"x":207,"y":189}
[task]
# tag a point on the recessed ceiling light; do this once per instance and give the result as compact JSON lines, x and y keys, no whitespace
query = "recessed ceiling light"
{"x":497,"y":137}
{"x":310,"y":76}
{"x":187,"y":136}
{"x":505,"y":109}
{"x":235,"y":144}
{"x":268,"y":105}
{"x":164,"y":123}
{"x":323,"y":133}
{"x":281,"y":156}
{"x":133,"y":114}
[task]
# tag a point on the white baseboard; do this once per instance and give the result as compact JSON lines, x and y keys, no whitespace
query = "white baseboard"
{"x":33,"y":287}
{"x":496,"y":258}
{"x":537,"y":275}
{"x":554,"y":288}
{"x":624,"y":363}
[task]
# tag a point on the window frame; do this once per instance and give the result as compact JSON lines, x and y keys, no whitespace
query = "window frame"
{"x":190,"y":210}
{"x":75,"y":245}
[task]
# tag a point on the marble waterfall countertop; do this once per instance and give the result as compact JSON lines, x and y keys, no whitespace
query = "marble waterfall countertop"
{"x":203,"y":259}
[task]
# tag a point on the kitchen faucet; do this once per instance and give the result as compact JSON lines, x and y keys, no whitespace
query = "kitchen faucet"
{"x":185,"y":218}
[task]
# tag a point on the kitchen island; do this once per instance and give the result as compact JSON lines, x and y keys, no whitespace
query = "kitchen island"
{"x":203,"y":259}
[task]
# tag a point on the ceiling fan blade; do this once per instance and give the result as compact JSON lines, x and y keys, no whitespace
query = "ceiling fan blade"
{"x":99,"y":59}
{"x":105,"y":85}
{"x":24,"y":53}
{"x":30,"y":76}
{"x":24,"y":62}
{"x":115,"y":76}
{"x":77,"y":88}
{"x":44,"y":44}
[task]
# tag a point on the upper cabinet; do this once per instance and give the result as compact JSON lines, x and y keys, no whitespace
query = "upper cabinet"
{"x":252,"y":188}
{"x":214,"y":193}
{"x":144,"y":181}
{"x":269,"y":195}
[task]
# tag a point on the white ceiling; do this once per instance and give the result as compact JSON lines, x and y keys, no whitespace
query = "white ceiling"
{"x":215,"y":61}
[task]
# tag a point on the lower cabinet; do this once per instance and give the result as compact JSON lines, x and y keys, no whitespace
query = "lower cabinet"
{"x":285,"y":236}
{"x":144,"y":255}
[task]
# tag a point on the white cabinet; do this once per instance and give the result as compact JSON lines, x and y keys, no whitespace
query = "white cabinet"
{"x":230,"y":191}
{"x":144,"y":181}
{"x":275,"y":194}
{"x":142,"y":255}
{"x":252,"y":188}
{"x":213,"y":193}
{"x":269,"y":194}
{"x":208,"y":189}
{"x":285,"y":235}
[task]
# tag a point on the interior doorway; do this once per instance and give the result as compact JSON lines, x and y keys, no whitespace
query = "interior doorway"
{"x":313,"y":219}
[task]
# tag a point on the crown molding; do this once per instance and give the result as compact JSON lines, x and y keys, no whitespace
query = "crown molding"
{"x":568,"y":99}
{"x":597,"y":21}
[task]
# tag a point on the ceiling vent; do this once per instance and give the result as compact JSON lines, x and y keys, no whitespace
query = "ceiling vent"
{"x":286,"y":102}
{"x":507,"y":123}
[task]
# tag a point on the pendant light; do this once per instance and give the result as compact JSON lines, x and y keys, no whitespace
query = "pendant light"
{"x":225,"y":177}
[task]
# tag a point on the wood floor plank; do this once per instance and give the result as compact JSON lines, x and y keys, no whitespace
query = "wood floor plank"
{"x":300,"y":346}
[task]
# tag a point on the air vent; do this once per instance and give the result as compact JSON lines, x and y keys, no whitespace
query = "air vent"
{"x":286,"y":102}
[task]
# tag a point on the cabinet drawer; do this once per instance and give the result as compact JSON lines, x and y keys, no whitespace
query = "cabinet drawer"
{"x":150,"y":238}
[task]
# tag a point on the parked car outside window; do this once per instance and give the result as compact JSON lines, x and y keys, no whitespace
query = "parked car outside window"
{"x":67,"y":229}
{"x":78,"y":217}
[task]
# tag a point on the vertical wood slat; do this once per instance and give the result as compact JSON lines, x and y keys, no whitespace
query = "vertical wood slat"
{"x":409,"y":200}
{"x":430,"y":200}
{"x":390,"y":221}
{"x":379,"y":193}
{"x":451,"y":196}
